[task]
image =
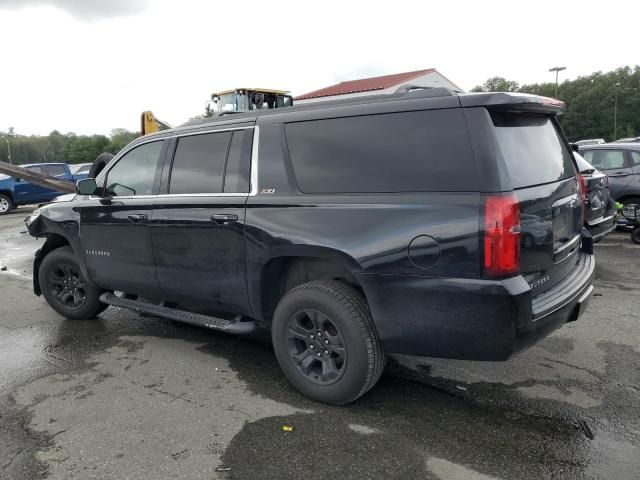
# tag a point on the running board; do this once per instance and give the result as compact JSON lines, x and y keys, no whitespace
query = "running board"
{"x":229,"y":326}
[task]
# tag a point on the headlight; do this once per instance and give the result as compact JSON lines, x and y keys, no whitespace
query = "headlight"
{"x":31,"y":218}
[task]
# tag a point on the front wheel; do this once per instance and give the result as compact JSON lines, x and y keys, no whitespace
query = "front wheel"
{"x":6,"y":205}
{"x":326,"y":343}
{"x":64,"y":287}
{"x":635,"y":235}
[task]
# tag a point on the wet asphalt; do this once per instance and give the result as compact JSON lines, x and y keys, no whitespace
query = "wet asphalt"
{"x":129,"y":397}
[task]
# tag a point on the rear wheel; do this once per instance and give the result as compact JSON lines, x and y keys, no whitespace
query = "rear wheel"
{"x":64,"y":287}
{"x":6,"y":205}
{"x":325,"y":342}
{"x":635,"y":235}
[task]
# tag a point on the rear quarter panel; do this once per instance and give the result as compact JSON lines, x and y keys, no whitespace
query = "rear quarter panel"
{"x":371,"y":233}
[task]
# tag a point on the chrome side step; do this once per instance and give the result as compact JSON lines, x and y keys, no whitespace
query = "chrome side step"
{"x":230,"y":326}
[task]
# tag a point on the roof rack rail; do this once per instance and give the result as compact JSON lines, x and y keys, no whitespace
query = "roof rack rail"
{"x":222,"y":114}
{"x":426,"y":91}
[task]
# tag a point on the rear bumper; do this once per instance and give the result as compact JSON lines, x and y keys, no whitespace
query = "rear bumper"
{"x":472,"y":319}
{"x":602,"y":226}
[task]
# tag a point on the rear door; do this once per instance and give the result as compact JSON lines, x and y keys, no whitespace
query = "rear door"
{"x":541,"y":171}
{"x":198,"y":223}
{"x":616,"y":165}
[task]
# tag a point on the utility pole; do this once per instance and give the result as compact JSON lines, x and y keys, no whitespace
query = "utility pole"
{"x":6,"y":139}
{"x":557,"y":69}
{"x":615,"y":111}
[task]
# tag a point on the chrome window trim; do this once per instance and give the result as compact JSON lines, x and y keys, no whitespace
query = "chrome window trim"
{"x":253,"y":176}
{"x":253,"y":185}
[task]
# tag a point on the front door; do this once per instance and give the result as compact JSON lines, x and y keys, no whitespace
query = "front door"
{"x":114,"y":227}
{"x":198,"y":224}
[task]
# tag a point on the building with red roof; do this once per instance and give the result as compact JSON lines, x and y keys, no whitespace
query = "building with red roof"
{"x":429,"y":77}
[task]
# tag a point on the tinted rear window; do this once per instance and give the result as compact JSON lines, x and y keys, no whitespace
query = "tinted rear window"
{"x":198,"y":164}
{"x":395,"y":152}
{"x":236,"y":178}
{"x":532,"y":149}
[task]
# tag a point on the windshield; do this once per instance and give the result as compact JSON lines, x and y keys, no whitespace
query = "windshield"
{"x":228,"y":103}
{"x":82,"y":168}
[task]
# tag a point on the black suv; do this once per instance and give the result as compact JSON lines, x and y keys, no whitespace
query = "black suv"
{"x":425,"y":223}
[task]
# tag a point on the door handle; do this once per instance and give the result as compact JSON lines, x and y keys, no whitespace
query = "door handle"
{"x":137,"y":217}
{"x":224,"y":218}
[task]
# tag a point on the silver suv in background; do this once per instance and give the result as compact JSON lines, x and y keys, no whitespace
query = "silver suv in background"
{"x":621,"y":163}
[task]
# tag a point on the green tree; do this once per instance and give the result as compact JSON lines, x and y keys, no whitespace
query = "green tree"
{"x":120,"y":137}
{"x":594,"y":103}
{"x":497,"y":84}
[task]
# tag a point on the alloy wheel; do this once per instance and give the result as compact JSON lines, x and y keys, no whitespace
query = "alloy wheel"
{"x":67,"y":286}
{"x":316,"y":346}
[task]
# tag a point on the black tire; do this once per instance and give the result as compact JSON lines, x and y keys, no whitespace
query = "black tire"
{"x":635,"y":235}
{"x":346,"y":321}
{"x":99,"y":163}
{"x":64,"y":287}
{"x":6,"y":204}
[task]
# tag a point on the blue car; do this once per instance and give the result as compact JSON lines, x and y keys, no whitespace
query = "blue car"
{"x":15,"y":192}
{"x":80,"y":171}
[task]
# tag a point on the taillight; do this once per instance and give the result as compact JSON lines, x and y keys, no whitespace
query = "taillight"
{"x":583,"y":190}
{"x":501,"y":235}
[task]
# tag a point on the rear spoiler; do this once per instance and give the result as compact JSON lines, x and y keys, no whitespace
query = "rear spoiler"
{"x":514,"y":102}
{"x":37,"y":178}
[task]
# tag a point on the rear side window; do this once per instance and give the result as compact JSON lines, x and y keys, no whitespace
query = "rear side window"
{"x":198,"y":164}
{"x":395,"y":152}
{"x":236,"y":179}
{"x":35,"y":169}
{"x":606,"y":159}
{"x":635,"y":157}
{"x":532,"y":149}
{"x":56,"y":170}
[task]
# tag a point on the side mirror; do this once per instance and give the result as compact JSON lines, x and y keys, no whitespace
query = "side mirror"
{"x":86,"y":186}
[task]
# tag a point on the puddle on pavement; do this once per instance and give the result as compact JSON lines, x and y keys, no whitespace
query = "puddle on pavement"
{"x":169,"y":398}
{"x":153,"y":406}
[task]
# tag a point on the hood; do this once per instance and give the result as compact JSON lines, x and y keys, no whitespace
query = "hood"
{"x":67,"y":197}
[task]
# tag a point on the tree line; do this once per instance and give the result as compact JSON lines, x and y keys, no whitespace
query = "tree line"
{"x":600,"y":105}
{"x":61,"y":147}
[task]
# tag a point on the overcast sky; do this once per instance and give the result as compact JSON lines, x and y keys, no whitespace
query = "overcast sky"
{"x":88,"y":66}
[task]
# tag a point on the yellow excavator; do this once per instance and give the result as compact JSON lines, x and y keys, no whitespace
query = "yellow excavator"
{"x":247,"y":99}
{"x":226,"y":102}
